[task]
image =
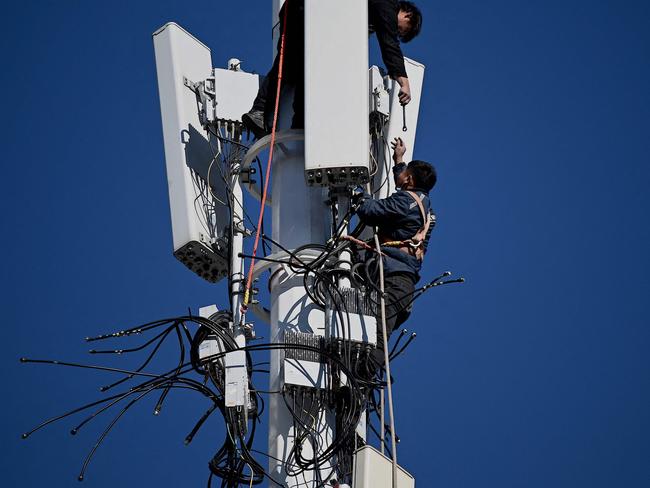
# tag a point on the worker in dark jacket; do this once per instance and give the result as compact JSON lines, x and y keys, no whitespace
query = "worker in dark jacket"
{"x":404,"y":221}
{"x":391,"y":20}
{"x":382,"y":16}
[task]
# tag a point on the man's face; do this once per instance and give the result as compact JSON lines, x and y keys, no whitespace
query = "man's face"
{"x":403,"y":23}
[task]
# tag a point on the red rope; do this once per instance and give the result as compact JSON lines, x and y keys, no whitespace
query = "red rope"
{"x":360,"y":243}
{"x":249,"y":281}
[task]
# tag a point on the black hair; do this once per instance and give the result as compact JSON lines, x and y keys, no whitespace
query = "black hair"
{"x":424,"y":174}
{"x":415,"y":20}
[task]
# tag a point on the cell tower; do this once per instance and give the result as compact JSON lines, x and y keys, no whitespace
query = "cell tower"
{"x":313,"y":172}
{"x":326,"y":388}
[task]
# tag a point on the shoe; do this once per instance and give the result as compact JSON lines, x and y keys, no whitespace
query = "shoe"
{"x":254,"y":122}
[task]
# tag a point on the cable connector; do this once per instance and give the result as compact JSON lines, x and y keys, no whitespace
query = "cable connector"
{"x":249,"y":331}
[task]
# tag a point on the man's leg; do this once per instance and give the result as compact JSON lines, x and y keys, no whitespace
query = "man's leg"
{"x":398,"y":289}
{"x":257,"y":120}
{"x":296,"y":63}
{"x":293,"y":65}
{"x":253,"y":120}
{"x":260,"y":100}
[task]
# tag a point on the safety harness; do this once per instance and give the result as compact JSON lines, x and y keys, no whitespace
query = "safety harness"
{"x":415,"y":245}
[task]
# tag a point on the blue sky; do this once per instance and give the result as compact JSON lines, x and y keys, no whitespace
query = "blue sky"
{"x":534,"y":373}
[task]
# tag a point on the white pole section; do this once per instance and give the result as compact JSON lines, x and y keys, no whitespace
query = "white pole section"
{"x":298,"y":217}
{"x":237,"y":394}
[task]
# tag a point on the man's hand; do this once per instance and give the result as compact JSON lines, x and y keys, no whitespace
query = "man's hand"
{"x":405,"y":90}
{"x":399,"y":148}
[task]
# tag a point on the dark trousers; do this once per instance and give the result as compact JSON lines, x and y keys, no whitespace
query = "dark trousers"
{"x":398,"y":290}
{"x":293,"y":68}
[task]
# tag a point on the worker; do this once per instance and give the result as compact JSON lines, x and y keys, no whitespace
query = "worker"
{"x":404,"y":222}
{"x":391,"y":20}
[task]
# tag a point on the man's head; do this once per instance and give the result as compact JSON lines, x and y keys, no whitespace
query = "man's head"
{"x":409,"y":21}
{"x":417,"y":175}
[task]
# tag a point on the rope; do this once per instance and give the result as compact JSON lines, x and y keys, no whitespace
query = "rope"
{"x":249,"y":280}
{"x":391,"y":413}
{"x":398,"y":243}
{"x":360,"y":243}
{"x":382,"y":420}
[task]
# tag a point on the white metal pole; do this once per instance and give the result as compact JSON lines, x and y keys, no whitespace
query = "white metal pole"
{"x":237,"y":393}
{"x":237,"y":263}
{"x":298,"y":218}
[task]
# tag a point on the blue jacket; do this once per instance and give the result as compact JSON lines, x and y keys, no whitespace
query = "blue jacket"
{"x":398,"y":218}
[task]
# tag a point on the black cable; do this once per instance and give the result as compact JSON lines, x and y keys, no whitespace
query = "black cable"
{"x":410,"y":339}
{"x":355,"y":398}
{"x":164,"y":335}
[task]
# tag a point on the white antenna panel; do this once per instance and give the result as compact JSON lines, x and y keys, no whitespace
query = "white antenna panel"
{"x":200,"y":241}
{"x":415,"y":72}
{"x":396,"y":123}
{"x":336,"y":92}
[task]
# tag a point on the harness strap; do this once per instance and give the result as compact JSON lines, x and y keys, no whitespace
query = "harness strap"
{"x":421,"y":234}
{"x":414,"y":245}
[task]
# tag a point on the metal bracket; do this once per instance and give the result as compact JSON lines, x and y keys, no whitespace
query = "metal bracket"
{"x":241,"y":229}
{"x":206,"y":97}
{"x":245,"y":175}
{"x":249,"y":331}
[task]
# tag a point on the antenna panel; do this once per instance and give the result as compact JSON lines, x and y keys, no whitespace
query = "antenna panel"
{"x":415,"y":72}
{"x":336,"y":92}
{"x":396,"y":122}
{"x":198,"y":222}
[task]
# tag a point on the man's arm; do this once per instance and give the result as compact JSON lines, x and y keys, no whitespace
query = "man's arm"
{"x":399,"y":148}
{"x":404,"y":90}
{"x":384,"y":18}
{"x":377,"y":212}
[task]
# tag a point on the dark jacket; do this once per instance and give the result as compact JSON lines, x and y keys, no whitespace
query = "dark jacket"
{"x":382,"y":20}
{"x":398,"y":218}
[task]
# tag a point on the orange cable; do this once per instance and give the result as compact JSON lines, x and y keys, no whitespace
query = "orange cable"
{"x":249,"y":281}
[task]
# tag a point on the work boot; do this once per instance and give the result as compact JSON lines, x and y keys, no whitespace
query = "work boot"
{"x":254,"y":122}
